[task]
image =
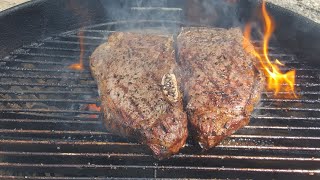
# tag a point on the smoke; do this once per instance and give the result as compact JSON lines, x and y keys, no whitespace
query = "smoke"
{"x":142,"y":15}
{"x":137,"y":10}
{"x":218,"y":13}
{"x":171,"y":14}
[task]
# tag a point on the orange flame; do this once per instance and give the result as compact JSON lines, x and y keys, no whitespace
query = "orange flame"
{"x":277,"y":81}
{"x":79,"y":66}
{"x":93,"y":107}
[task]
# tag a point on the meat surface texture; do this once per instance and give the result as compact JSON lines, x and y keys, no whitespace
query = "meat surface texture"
{"x":139,"y":86}
{"x":221,"y":84}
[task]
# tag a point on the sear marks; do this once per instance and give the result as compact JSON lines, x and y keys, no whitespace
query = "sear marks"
{"x":221,"y":84}
{"x":141,"y":86}
{"x":138,"y":82}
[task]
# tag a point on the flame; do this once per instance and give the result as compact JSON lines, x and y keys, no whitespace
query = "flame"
{"x":277,"y":80}
{"x":79,"y":66}
{"x":93,"y":107}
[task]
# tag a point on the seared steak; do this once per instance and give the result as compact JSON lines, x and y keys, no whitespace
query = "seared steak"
{"x":139,"y":86}
{"x":221,"y":84}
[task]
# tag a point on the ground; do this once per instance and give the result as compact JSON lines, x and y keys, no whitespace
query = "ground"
{"x":307,"y":8}
{"x":5,"y":4}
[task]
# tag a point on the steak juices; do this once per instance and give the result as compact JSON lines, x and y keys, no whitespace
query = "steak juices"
{"x":142,"y":87}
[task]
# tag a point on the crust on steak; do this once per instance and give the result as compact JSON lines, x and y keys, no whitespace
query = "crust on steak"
{"x":129,"y":71}
{"x":221,"y":83}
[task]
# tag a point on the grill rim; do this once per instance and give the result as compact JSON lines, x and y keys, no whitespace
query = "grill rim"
{"x":156,"y":167}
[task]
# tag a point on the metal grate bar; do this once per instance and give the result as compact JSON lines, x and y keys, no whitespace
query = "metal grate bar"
{"x":286,"y":118}
{"x":271,"y":48}
{"x":298,"y":93}
{"x":55,"y":48}
{"x":99,"y":31}
{"x":89,"y":78}
{"x":280,"y":55}
{"x":48,"y":85}
{"x":274,"y":137}
{"x":49,"y":111}
{"x":136,"y":147}
{"x":282,"y":127}
{"x":94,"y":132}
{"x":288,"y":109}
{"x":156,"y":167}
{"x":52,"y":132}
{"x":84,"y":133}
{"x":143,"y":21}
{"x":299,"y":69}
{"x":68,"y":142}
{"x":304,"y":84}
{"x":53,"y":121}
{"x":93,"y":92}
{"x":312,"y":101}
{"x":244,"y":157}
{"x":32,"y":61}
{"x":51,"y":100}
{"x":55,"y":116}
{"x":77,"y":37}
{"x":178,"y":156}
{"x":97,"y":121}
{"x":270,"y":147}
{"x":60,"y":42}
{"x":45,"y":55}
{"x":45,"y":70}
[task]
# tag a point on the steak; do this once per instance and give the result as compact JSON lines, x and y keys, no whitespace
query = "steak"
{"x":221,"y":83}
{"x":139,"y":85}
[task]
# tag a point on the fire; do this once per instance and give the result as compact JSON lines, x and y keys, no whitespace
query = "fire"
{"x":277,"y":81}
{"x":79,"y":66}
{"x":93,"y":107}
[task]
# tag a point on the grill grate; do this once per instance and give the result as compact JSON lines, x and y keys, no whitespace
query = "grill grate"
{"x":47,"y":132}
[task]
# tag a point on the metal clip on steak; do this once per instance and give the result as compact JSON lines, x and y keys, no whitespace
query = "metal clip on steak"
{"x":138,"y":81}
{"x":221,"y":84}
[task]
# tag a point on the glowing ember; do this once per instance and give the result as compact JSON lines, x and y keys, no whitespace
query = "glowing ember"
{"x":79,"y":66}
{"x":277,"y":81}
{"x":93,"y":107}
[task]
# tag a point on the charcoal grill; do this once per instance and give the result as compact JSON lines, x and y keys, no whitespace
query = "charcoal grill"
{"x":48,"y":132}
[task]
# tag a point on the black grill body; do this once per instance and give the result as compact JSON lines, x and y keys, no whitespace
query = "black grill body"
{"x":47,"y":130}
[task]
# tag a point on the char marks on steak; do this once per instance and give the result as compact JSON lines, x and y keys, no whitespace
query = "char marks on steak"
{"x":139,"y":81}
{"x":221,"y":84}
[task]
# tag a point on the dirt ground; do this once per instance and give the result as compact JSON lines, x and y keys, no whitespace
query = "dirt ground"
{"x":5,"y":4}
{"x":307,"y":8}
